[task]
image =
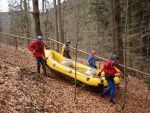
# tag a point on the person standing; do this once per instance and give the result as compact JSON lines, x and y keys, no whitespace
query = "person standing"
{"x":37,"y":48}
{"x":66,"y":50}
{"x":110,"y":68}
{"x":92,"y":59}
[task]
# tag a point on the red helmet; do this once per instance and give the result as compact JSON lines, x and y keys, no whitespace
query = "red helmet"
{"x":93,"y":52}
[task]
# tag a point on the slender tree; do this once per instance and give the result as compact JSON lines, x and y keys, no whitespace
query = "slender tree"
{"x":21,"y":14}
{"x":129,"y":31}
{"x":46,"y":23}
{"x":43,"y":2}
{"x":111,"y":10}
{"x":61,"y":36}
{"x":26,"y":19}
{"x":118,"y":30}
{"x":1,"y":27}
{"x":56,"y":25}
{"x":64,"y":14}
{"x":36,"y":17}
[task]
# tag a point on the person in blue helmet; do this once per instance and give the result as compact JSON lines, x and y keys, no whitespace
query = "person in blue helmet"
{"x":92,"y":59}
{"x":37,"y":49}
{"x":110,"y":68}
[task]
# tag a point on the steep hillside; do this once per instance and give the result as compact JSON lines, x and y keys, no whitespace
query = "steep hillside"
{"x":23,"y":91}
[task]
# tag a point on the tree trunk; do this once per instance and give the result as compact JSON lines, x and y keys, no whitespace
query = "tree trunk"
{"x":61,"y":36}
{"x":43,"y":1}
{"x":46,"y":23}
{"x":21,"y":18}
{"x":129,"y":31}
{"x":1,"y":28}
{"x":56,"y":25}
{"x":36,"y":18}
{"x":113,"y":26}
{"x":26,"y":20}
{"x":118,"y":30}
{"x":64,"y":14}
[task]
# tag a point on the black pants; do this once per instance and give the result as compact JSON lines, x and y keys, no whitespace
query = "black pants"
{"x":67,"y":55}
{"x":40,"y":61}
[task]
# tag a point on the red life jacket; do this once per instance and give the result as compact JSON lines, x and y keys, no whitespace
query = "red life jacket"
{"x":38,"y":47}
{"x":109,"y":68}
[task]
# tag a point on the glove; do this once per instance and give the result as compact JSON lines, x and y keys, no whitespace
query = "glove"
{"x":99,"y":74}
{"x":97,"y":59}
{"x":45,"y":60}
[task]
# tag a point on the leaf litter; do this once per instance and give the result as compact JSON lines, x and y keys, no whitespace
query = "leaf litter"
{"x":24,"y":91}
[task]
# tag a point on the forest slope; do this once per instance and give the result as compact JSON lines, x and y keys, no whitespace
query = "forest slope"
{"x":22,"y":91}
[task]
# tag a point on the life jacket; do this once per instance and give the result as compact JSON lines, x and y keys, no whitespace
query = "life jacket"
{"x":38,"y":46}
{"x":93,"y":60}
{"x":108,"y":68}
{"x":67,"y":49}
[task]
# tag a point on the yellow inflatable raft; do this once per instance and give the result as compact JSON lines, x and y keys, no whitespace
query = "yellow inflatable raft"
{"x":84,"y":74}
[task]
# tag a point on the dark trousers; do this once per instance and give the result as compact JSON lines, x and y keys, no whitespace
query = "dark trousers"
{"x":40,"y":61}
{"x":67,"y":55}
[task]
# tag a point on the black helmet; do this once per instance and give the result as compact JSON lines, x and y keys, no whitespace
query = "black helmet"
{"x":68,"y":41}
{"x":115,"y":57}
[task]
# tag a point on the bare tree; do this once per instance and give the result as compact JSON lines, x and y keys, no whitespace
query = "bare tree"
{"x":129,"y":29}
{"x":118,"y":30}
{"x":61,"y":36}
{"x":113,"y":25}
{"x":36,"y":17}
{"x":56,"y":25}
{"x":26,"y":19}
{"x":21,"y":14}
{"x":46,"y":23}
{"x":43,"y":2}
{"x":1,"y":27}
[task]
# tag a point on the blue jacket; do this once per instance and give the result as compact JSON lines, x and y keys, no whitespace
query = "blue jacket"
{"x":92,"y":60}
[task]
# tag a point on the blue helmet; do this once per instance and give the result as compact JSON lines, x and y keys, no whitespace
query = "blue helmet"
{"x":39,"y":37}
{"x":115,"y":57}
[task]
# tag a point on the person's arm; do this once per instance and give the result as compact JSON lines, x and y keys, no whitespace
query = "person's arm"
{"x":90,"y":60}
{"x":118,"y":68}
{"x":43,"y":51}
{"x":96,"y":58}
{"x":101,"y":70}
{"x":118,"y":71}
{"x":31,"y":47}
{"x":63,"y":49}
{"x":71,"y":49}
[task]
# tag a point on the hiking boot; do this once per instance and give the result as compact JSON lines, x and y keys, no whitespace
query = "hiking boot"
{"x":113,"y":102}
{"x":47,"y":75}
{"x":102,"y":95}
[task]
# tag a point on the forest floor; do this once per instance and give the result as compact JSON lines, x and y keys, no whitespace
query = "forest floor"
{"x":23,"y":91}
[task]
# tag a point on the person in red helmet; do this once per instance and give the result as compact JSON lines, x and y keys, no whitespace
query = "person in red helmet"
{"x":37,"y":48}
{"x":92,"y":59}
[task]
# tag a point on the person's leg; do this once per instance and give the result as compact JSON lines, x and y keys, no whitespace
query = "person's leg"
{"x":38,"y":64}
{"x":65,"y":55}
{"x":95,"y":66}
{"x":43,"y":65}
{"x":113,"y":89}
{"x":107,"y":89}
{"x":69,"y":56}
